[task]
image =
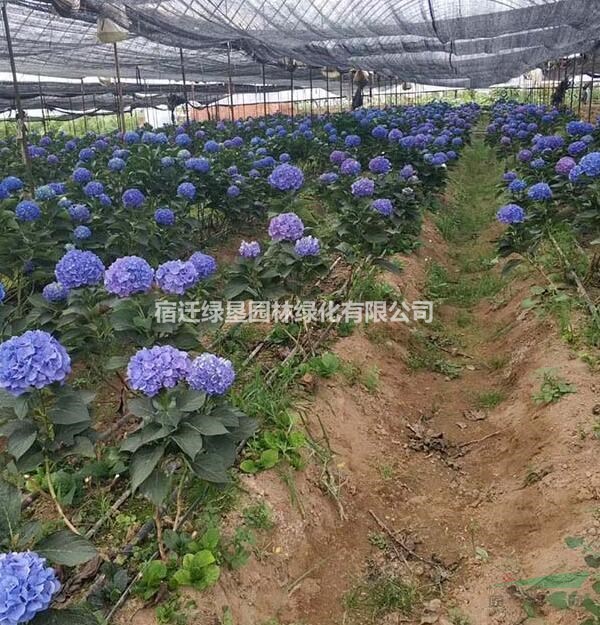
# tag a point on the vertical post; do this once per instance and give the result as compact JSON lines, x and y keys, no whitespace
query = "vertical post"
{"x":21,"y":127}
{"x":341,"y":91}
{"x":580,"y":86}
{"x":310,"y":83}
{"x":396,"y":93}
{"x":378,"y":91}
{"x":264,"y":86}
{"x":591,"y":93}
{"x":185,"y":91}
{"x":573,"y":83}
{"x":96,"y":112}
{"x":42,"y":104}
{"x":327,"y":87}
{"x":230,"y":78}
{"x":120,"y":112}
{"x":83,"y":106}
{"x":292,"y":91}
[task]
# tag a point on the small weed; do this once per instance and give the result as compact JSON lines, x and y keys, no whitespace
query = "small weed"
{"x":171,"y":612}
{"x":490,"y":399}
{"x":259,"y":517}
{"x":463,"y":319}
{"x":351,"y":373}
{"x":378,"y":539}
{"x":497,"y":363}
{"x":536,"y":475}
{"x":325,"y":365}
{"x":370,"y":379}
{"x":386,"y":471}
{"x":553,"y":388}
{"x":456,"y":617}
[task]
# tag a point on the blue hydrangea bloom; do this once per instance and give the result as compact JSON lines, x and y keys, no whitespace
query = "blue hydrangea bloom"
{"x":87,"y":154}
{"x":564,"y":165}
{"x":205,"y":264}
{"x":539,"y":192}
{"x":337,"y":157}
{"x":130,"y":137}
{"x":27,"y":587}
{"x":380,"y":165}
{"x":151,"y":370}
{"x":286,"y":177}
{"x":2,"y":293}
{"x":329,"y":177}
{"x":509,"y":176}
{"x":116,"y":164}
{"x":350,"y":167}
{"x":175,"y":277}
{"x":104,"y":200}
{"x":59,"y":188}
{"x":363,"y":187}
{"x":77,"y":268}
{"x":379,"y":132}
{"x":286,"y":227}
{"x":407,"y":172}
{"x":591,"y":164}
{"x":307,"y":246}
{"x":133,"y":198}
{"x":81,"y":175}
{"x":12,"y":184}
{"x":55,"y":292}
{"x":183,"y":140}
{"x":577,"y":147}
{"x":538,"y":163}
{"x":93,"y":189}
{"x":352,"y":141}
{"x":45,"y":193}
{"x":167,"y":161}
{"x":579,"y":128}
{"x":511,"y":214}
{"x":187,"y":191}
{"x":575,"y":175}
{"x":517,"y":185}
{"x":525,"y":156}
{"x":3,"y":192}
{"x":285,"y":158}
{"x":233,"y":191}
{"x":79,"y":213}
{"x":200,"y":165}
{"x":128,"y":275}
{"x":164,"y":216}
{"x":81,"y":233}
{"x":33,"y":360}
{"x":211,"y":146}
{"x":211,"y":374}
{"x":383,"y":206}
{"x":249,"y":249}
{"x":27,"y":210}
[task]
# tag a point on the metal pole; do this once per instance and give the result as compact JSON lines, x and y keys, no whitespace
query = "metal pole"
{"x":573,"y":83}
{"x":264,"y":86}
{"x":341,"y":90}
{"x":120,"y":112}
{"x":310,"y":82}
{"x":42,"y":104}
{"x":327,"y":87}
{"x":580,"y":86}
{"x":21,"y":127}
{"x":230,"y":79}
{"x":292,"y":92}
{"x":185,"y":91}
{"x":85,"y":125}
{"x":591,"y":94}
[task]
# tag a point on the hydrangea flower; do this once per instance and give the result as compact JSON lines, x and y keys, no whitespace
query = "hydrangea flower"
{"x":183,"y":140}
{"x":328,"y":178}
{"x":564,"y":165}
{"x":200,"y":165}
{"x":591,"y":164}
{"x":55,"y":292}
{"x":352,"y":141}
{"x":81,"y":233}
{"x":575,"y":174}
{"x":205,"y":265}
{"x":175,"y":277}
{"x":307,"y":246}
{"x":538,"y":163}
{"x":164,"y":216}
{"x":337,"y":157}
{"x":116,"y":164}
{"x":27,"y":587}
{"x":82,"y":175}
{"x":211,"y":146}
{"x":12,"y":184}
{"x":131,"y":137}
{"x":380,"y":165}
{"x":383,"y":206}
{"x":187,"y":191}
{"x":407,"y":172}
{"x":77,"y":268}
{"x":151,"y":370}
{"x":167,"y":161}
{"x":525,"y":156}
{"x":350,"y":167}
{"x":2,"y":293}
{"x":87,"y":154}
{"x":379,"y":132}
{"x":27,"y":210}
{"x":286,"y":227}
{"x":128,"y":275}
{"x":133,"y":198}
{"x":511,"y":214}
{"x":517,"y":185}
{"x":539,"y":192}
{"x":233,"y":191}
{"x":577,"y":147}
{"x":33,"y":360}
{"x":509,"y":176}
{"x":79,"y":213}
{"x":93,"y":188}
{"x":363,"y":187}
{"x":44,"y":193}
{"x":249,"y":249}
{"x":286,"y":177}
{"x":211,"y":374}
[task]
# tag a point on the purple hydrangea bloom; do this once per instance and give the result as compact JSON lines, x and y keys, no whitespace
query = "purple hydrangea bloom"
{"x":77,"y":268}
{"x":116,"y":164}
{"x":211,"y":146}
{"x":525,"y":156}
{"x":329,"y":177}
{"x":509,"y":176}
{"x":352,"y":141}
{"x":438,"y":159}
{"x":27,"y":587}
{"x":187,"y":191}
{"x":93,"y":188}
{"x":55,"y":292}
{"x":538,"y":163}
{"x":307,"y":246}
{"x":564,"y":165}
{"x":517,"y":185}
{"x":539,"y":192}
{"x":383,"y":206}
{"x":33,"y":360}
{"x":577,"y":147}
{"x":200,"y":165}
{"x":407,"y":172}
{"x":337,"y":157}
{"x":131,"y":137}
{"x":79,"y":213}
{"x":575,"y":174}
{"x":183,"y":140}
{"x":175,"y":277}
{"x":350,"y":167}
{"x":128,"y":275}
{"x":363,"y":187}
{"x":44,"y":193}
{"x":211,"y":374}
{"x":379,"y":132}
{"x":2,"y":293}
{"x":133,"y":198}
{"x":151,"y":370}
{"x":164,"y":216}
{"x":233,"y":191}
{"x":27,"y":210}
{"x":286,"y":178}
{"x":81,"y":233}
{"x":591,"y":164}
{"x":249,"y":249}
{"x":380,"y":165}
{"x":82,"y":175}
{"x":205,"y":264}
{"x":511,"y":214}
{"x":286,"y":227}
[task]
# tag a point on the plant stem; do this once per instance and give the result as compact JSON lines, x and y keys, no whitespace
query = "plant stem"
{"x":59,"y":509}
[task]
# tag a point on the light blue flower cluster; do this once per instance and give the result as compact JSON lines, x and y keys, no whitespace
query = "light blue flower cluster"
{"x":286,"y":227}
{"x":33,"y":360}
{"x":175,"y":277}
{"x":77,"y":268}
{"x":211,"y":374}
{"x":363,"y":187}
{"x":187,"y":191}
{"x":286,"y":177}
{"x":307,"y":246}
{"x":151,"y":370}
{"x":383,"y":206}
{"x":511,"y":214}
{"x":128,"y":275}
{"x":249,"y":249}
{"x":205,"y":265}
{"x":591,"y":164}
{"x":164,"y":216}
{"x":55,"y":292}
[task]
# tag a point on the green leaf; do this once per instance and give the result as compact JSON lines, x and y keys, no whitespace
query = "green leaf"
{"x":142,"y":463}
{"x":558,"y":580}
{"x":249,"y":466}
{"x":573,"y":542}
{"x":73,"y":615}
{"x":591,"y":606}
{"x":147,"y":434}
{"x":559,"y":600}
{"x":269,"y":458}
{"x":155,"y":573}
{"x":69,"y":408}
{"x":21,"y":439}
{"x":207,"y":425}
{"x":190,"y":400}
{"x":10,"y":510}
{"x":188,"y":440}
{"x":156,"y":487}
{"x":64,"y":547}
{"x":116,"y":362}
{"x":141,"y":407}
{"x":593,"y":561}
{"x":211,"y":467}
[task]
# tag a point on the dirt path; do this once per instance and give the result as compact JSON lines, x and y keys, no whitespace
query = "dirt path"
{"x":432,"y":432}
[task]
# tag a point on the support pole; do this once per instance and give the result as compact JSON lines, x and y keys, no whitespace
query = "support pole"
{"x":120,"y":111}
{"x":85,"y":125}
{"x":573,"y":83}
{"x":264,"y":86}
{"x":580,"y":87}
{"x":341,"y":90}
{"x":21,"y":127}
{"x":591,"y":94}
{"x":185,"y":91}
{"x":327,"y":87}
{"x":230,"y":80}
{"x":292,"y":92}
{"x":42,"y":104}
{"x":310,"y":83}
